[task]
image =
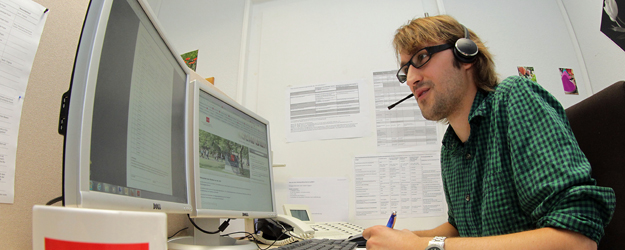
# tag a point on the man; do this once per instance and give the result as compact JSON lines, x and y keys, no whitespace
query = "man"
{"x":513,"y":174}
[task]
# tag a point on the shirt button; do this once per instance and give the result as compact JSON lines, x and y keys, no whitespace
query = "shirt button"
{"x":468,"y":156}
{"x":468,"y":197}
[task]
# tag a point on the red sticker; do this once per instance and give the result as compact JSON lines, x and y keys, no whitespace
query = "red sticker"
{"x":53,"y":244}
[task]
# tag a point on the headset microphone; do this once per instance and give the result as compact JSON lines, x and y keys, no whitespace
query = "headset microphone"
{"x":400,"y":101}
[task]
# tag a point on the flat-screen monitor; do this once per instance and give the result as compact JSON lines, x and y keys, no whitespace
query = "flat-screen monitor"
{"x":232,"y":173}
{"x":125,"y":115}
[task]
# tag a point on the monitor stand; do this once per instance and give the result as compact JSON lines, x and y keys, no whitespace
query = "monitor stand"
{"x":202,"y":240}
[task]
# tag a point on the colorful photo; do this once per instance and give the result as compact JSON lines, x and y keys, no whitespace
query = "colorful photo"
{"x":190,"y":58}
{"x":568,"y":81}
{"x":527,"y":72}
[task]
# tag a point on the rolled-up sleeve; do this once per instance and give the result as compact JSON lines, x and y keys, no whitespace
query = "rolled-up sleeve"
{"x":551,"y":174}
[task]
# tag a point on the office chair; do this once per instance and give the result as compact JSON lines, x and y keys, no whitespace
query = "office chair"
{"x":598,"y":123}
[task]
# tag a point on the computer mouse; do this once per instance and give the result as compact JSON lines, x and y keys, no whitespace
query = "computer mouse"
{"x":359,"y":240}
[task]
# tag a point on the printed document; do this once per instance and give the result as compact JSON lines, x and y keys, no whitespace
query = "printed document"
{"x":326,"y":197}
{"x":407,"y":183}
{"x":21,"y":25}
{"x":327,"y":111}
{"x":402,"y":128}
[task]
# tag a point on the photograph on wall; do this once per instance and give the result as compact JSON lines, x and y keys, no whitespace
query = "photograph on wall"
{"x":527,"y":72}
{"x":190,"y":58}
{"x":612,"y":24}
{"x":568,"y":81}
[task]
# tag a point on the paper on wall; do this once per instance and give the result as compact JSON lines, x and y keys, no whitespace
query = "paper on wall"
{"x":327,"y":111}
{"x":402,"y":128}
{"x":408,"y":183}
{"x":327,"y":197}
{"x":20,"y":32}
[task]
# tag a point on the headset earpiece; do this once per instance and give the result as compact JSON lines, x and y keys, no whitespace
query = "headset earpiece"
{"x":465,"y":49}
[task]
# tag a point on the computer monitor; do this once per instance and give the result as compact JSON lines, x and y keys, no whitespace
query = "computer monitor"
{"x":124,"y":117}
{"x":232,"y":172}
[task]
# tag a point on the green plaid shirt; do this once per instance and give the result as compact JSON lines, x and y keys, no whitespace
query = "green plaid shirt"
{"x":521,"y":168}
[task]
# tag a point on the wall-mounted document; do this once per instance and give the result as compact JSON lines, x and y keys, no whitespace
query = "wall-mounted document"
{"x":325,"y":196}
{"x":403,"y":128}
{"x":327,"y":111}
{"x":21,"y":24}
{"x":410,"y":184}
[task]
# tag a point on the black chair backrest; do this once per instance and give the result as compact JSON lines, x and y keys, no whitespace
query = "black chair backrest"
{"x":598,"y":123}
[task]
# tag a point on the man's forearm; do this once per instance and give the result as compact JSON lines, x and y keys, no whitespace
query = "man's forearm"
{"x":544,"y":238}
{"x":445,"y":229}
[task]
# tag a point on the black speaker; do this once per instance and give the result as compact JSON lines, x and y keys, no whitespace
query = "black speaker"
{"x":465,"y":50}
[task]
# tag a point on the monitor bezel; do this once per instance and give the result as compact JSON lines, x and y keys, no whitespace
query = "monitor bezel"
{"x":195,"y":187}
{"x":77,"y":139}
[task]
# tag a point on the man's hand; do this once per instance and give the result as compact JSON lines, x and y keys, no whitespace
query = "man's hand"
{"x":381,"y":237}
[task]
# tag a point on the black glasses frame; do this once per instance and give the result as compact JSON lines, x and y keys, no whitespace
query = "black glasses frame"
{"x":402,"y":76}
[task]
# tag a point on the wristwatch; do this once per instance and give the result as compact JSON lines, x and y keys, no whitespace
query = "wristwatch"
{"x":438,"y":243}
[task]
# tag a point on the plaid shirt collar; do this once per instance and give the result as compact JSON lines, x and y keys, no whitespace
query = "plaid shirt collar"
{"x":478,"y":109}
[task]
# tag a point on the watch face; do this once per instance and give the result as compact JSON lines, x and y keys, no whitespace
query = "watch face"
{"x":433,"y":248}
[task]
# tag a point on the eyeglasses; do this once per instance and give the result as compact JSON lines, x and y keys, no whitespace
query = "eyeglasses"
{"x":419,"y":59}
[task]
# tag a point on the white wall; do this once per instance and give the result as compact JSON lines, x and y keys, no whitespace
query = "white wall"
{"x":305,"y":42}
{"x":533,"y":33}
{"x":604,"y":59}
{"x":301,"y":42}
{"x":214,"y":27}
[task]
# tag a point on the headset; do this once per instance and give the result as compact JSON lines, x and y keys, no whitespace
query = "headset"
{"x":465,"y":50}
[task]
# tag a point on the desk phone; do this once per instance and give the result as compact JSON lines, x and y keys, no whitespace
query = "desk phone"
{"x":323,"y":230}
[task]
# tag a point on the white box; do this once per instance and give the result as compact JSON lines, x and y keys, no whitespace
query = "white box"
{"x":56,"y":228}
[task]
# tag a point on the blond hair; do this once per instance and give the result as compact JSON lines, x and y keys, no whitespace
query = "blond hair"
{"x":445,"y":29}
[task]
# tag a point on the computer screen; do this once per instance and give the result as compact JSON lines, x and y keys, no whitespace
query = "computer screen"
{"x":232,"y":172}
{"x":126,"y":139}
{"x":232,"y":176}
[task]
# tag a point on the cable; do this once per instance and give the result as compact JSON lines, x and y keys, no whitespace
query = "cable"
{"x":177,"y":233}
{"x":248,"y":236}
{"x":293,"y":237}
{"x":221,"y":228}
{"x":55,"y":200}
{"x":290,"y":233}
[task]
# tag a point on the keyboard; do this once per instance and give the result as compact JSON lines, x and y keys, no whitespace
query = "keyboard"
{"x":320,"y":244}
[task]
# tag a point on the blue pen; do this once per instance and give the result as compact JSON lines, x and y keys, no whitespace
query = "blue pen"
{"x":390,"y":224}
{"x":391,"y":221}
